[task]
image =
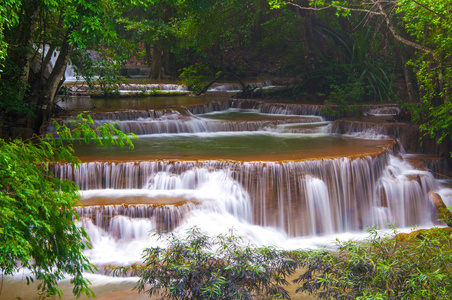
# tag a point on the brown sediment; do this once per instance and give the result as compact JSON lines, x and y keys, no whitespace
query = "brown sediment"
{"x":136,"y":200}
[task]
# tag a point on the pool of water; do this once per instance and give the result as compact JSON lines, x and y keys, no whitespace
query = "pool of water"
{"x":238,"y":146}
{"x":111,"y":104}
{"x":241,"y":115}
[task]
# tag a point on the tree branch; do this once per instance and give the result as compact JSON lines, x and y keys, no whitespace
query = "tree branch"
{"x":367,"y":11}
{"x":430,"y":10}
{"x":222,"y":74}
{"x":397,"y":36}
{"x":381,"y":12}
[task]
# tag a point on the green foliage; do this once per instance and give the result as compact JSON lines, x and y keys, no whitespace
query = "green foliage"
{"x":342,"y":97}
{"x":281,"y":40}
{"x":37,"y":229}
{"x":194,"y":77}
{"x":101,"y":75}
{"x":221,"y":34}
{"x":8,"y":18}
{"x":357,"y":74}
{"x":199,"y":267}
{"x":430,"y":23}
{"x":9,"y":93}
{"x":382,"y":267}
{"x":438,"y":124}
{"x":28,"y":25}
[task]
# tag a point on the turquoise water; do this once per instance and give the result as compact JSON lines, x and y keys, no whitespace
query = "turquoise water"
{"x":248,"y":146}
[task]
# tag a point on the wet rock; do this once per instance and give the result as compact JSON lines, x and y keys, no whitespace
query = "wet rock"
{"x":444,"y":212}
{"x":409,"y":136}
{"x":403,"y":116}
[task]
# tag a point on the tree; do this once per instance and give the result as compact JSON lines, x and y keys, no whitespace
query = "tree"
{"x":151,"y":25}
{"x":37,"y":228}
{"x":430,"y":23}
{"x":28,"y":87}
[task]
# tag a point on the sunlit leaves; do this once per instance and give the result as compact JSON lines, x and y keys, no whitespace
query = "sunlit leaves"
{"x":37,"y":229}
{"x":430,"y":22}
{"x":275,"y":4}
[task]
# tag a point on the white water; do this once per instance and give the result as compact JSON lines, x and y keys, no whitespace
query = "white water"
{"x":288,"y":205}
{"x":172,"y":121}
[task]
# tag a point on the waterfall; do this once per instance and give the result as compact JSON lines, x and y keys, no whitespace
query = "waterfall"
{"x":150,"y":87}
{"x":289,"y":109}
{"x":173,"y":121}
{"x":384,"y":110}
{"x":300,"y":198}
{"x":236,"y":87}
{"x":212,"y":106}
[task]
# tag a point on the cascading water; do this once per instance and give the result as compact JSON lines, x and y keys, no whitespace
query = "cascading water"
{"x":172,"y":121}
{"x":171,"y":199}
{"x":298,"y":198}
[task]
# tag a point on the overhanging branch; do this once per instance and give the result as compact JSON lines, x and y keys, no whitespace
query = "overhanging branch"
{"x":377,"y":4}
{"x":397,"y":36}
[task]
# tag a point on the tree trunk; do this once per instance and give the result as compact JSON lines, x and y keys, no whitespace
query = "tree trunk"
{"x":20,"y":53}
{"x":442,"y":85}
{"x":156,"y":67}
{"x":412,"y":97}
{"x":50,"y":88}
{"x":147,"y":48}
{"x":408,"y":82}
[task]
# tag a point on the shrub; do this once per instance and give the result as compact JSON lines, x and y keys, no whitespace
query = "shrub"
{"x":200,"y":267}
{"x":414,"y":266}
{"x":37,"y":229}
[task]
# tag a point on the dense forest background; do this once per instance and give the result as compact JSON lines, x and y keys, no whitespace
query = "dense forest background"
{"x":341,"y":52}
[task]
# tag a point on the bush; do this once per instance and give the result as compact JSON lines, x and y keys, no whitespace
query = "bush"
{"x":407,"y":266}
{"x":199,"y":267}
{"x":414,"y":266}
{"x":194,"y":77}
{"x":37,"y":229}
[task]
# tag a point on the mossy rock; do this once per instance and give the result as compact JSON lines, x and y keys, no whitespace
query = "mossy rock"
{"x":421,"y":234}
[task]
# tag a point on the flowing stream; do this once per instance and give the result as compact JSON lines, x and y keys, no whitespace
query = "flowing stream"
{"x":273,"y":172}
